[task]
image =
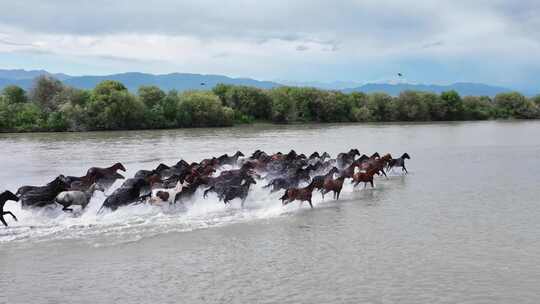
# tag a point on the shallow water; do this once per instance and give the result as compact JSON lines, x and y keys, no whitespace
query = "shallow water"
{"x":463,"y":226}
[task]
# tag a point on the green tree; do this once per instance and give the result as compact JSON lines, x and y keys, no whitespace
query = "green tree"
{"x":380,"y":106}
{"x":453,"y":105}
{"x":14,"y":94}
{"x":477,"y":108}
{"x":44,"y":92}
{"x":411,"y":106}
{"x":203,"y":109}
{"x":151,"y":95}
{"x":515,"y":105}
{"x":283,"y":105}
{"x":112,"y":107}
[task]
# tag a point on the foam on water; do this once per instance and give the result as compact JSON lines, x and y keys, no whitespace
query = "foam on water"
{"x":133,"y":222}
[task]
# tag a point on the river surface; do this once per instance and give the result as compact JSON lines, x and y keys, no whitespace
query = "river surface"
{"x":462,"y":227}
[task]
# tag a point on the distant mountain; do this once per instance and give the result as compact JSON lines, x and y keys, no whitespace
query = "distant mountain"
{"x":177,"y":81}
{"x":31,"y":74}
{"x":334,"y":85}
{"x":186,"y":81}
{"x":463,"y":88}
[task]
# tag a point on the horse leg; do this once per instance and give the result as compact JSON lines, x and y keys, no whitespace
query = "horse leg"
{"x":12,"y":215}
{"x":67,"y":209}
{"x":3,"y":220}
{"x":339,"y":191}
{"x":404,"y":169}
{"x":371,"y":182}
{"x":310,"y":204}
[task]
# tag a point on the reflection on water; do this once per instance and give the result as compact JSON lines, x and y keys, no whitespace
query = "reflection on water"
{"x":463,"y":226}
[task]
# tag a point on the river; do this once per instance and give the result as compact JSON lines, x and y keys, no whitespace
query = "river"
{"x":462,"y":227}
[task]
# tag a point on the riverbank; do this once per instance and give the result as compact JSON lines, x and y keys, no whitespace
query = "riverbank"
{"x":52,"y":106}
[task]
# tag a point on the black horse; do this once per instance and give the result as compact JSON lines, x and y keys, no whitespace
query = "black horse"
{"x":45,"y":195}
{"x":240,"y":191}
{"x":399,"y":162}
{"x":4,"y":197}
{"x":229,"y":160}
{"x":128,"y":193}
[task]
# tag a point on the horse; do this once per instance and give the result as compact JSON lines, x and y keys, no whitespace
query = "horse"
{"x":298,"y":194}
{"x":399,"y":162}
{"x":45,"y":195}
{"x":240,"y":191}
{"x":98,"y":173}
{"x":344,"y":159}
{"x":319,"y":179}
{"x":230,"y":160}
{"x":334,"y":185}
{"x":128,"y":193}
{"x":365,"y":177}
{"x":74,"y":197}
{"x":4,"y":197}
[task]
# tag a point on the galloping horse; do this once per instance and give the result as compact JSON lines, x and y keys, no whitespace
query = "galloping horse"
{"x":399,"y":162}
{"x":45,"y":195}
{"x":6,"y":196}
{"x":364,"y":177}
{"x":298,"y":194}
{"x":334,"y":185}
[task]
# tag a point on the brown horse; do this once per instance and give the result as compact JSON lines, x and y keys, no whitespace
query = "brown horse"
{"x":7,"y":196}
{"x":298,"y":194}
{"x":364,"y":177}
{"x":109,"y":172}
{"x":334,"y":185}
{"x":319,"y":179}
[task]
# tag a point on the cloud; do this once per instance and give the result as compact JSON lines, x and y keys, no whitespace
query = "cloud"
{"x":348,"y":40}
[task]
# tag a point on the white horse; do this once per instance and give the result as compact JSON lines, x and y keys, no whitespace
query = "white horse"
{"x":76,"y":197}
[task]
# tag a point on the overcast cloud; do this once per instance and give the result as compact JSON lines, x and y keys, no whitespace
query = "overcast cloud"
{"x":496,"y":42}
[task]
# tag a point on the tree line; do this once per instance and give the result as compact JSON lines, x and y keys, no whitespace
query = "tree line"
{"x":52,"y":106}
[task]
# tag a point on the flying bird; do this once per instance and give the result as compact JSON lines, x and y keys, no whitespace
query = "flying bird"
{"x":202,"y":83}
{"x":400,"y":75}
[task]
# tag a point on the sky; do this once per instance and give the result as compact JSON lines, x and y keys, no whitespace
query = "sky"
{"x":437,"y":42}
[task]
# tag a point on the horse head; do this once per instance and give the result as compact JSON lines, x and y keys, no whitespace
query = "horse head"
{"x":314,"y":155}
{"x":405,"y":156}
{"x":239,"y":154}
{"x":354,"y":152}
{"x":119,"y":166}
{"x":8,"y":196}
{"x":375,"y":155}
{"x":325,"y":155}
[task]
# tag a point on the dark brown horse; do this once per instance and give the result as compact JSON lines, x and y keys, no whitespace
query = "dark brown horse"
{"x":319,"y":180}
{"x":334,"y":185}
{"x":364,"y":177}
{"x":298,"y":194}
{"x":109,"y":172}
{"x":4,"y":197}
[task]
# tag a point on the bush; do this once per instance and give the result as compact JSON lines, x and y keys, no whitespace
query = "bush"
{"x":453,"y":105}
{"x":411,"y":106}
{"x":515,"y":105}
{"x":477,"y":108}
{"x":380,"y":106}
{"x":13,"y":94}
{"x":203,"y":109}
{"x":112,"y":107}
{"x":44,"y":91}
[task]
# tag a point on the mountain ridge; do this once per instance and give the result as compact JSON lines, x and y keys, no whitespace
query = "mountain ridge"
{"x":191,"y":81}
